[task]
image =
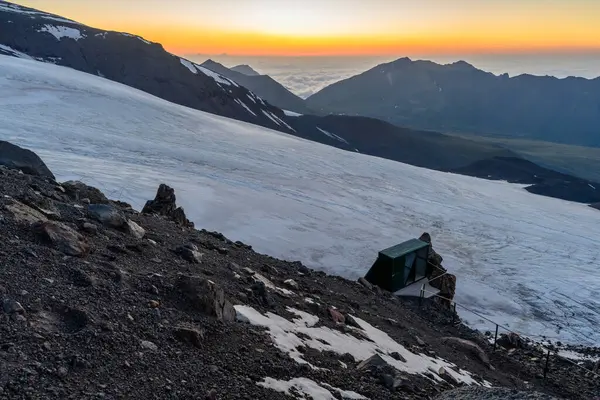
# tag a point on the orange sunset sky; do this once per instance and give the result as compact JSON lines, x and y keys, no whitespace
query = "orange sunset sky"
{"x":345,"y":27}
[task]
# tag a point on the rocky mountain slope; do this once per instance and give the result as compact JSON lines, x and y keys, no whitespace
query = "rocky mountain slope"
{"x":461,"y":98}
{"x":102,"y":301}
{"x":263,"y":85}
{"x":245,"y":69}
{"x":130,"y":60}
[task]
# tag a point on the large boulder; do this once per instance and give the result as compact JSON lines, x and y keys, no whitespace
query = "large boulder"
{"x":15,"y":157}
{"x":107,"y":215}
{"x":205,"y":296}
{"x":468,"y":347}
{"x":63,"y":238}
{"x":164,"y":203}
{"x":78,"y":190}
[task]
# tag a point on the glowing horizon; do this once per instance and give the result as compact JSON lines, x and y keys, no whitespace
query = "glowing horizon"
{"x":345,"y":27}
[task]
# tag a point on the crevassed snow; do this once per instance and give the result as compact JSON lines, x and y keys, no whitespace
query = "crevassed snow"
{"x":289,"y":335}
{"x":15,"y":52}
{"x":188,"y":65}
{"x":308,"y":387}
{"x":241,"y":103}
{"x":527,"y":261}
{"x":218,"y":78}
{"x":60,"y":32}
{"x":332,"y":135}
{"x":291,"y":113}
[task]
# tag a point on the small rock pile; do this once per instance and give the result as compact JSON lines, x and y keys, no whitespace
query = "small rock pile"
{"x":439,"y":278}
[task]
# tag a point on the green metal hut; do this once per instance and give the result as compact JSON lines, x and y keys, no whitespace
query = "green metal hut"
{"x":400,"y":265}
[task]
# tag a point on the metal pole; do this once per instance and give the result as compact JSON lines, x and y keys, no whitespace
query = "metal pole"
{"x":422,"y":294}
{"x":454,"y":314}
{"x":495,"y":338}
{"x":547,"y":363}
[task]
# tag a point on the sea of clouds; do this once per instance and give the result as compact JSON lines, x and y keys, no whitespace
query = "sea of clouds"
{"x":305,"y":76}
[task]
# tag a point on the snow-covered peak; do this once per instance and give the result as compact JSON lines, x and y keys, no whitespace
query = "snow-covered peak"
{"x":17,"y":9}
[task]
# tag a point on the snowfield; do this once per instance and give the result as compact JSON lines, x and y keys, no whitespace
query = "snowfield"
{"x":527,"y":261}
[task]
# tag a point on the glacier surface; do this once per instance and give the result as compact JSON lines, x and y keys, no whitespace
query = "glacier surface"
{"x":526,"y":261}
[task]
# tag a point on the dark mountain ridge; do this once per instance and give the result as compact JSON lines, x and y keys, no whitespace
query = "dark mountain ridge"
{"x":130,"y":60}
{"x":461,"y":98}
{"x":264,"y":86}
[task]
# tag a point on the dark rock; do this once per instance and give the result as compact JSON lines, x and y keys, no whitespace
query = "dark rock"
{"x":375,"y":361}
{"x":468,"y":347}
{"x":387,"y":380}
{"x":445,"y":375}
{"x":15,"y":157}
{"x":165,"y":204}
{"x":351,"y":321}
{"x":189,"y":335}
{"x":511,"y":341}
{"x":12,"y":307}
{"x":420,"y":341}
{"x":303,"y":269}
{"x":89,"y":228}
{"x":63,"y":238}
{"x":439,"y":277}
{"x":80,"y":191}
{"x":81,"y":278}
{"x":365,"y":283}
{"x":206,"y":297}
{"x":292,"y":284}
{"x":189,"y":252}
{"x":397,"y":356}
{"x":107,"y":215}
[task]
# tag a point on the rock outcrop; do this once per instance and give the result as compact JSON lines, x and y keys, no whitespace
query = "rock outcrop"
{"x":440,"y":278}
{"x":15,"y":157}
{"x":165,"y":204}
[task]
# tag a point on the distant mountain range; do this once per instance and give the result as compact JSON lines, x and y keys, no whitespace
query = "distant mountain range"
{"x":263,"y":85}
{"x":245,"y":69}
{"x":461,"y":98}
{"x":243,"y":94}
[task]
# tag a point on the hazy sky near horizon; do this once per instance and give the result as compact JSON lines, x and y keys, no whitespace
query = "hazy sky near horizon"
{"x":344,"y":27}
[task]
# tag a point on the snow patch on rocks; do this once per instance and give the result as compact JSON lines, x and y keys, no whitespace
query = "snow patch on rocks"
{"x":14,"y":52}
{"x":189,"y":65}
{"x":218,"y":78}
{"x":288,"y":336}
{"x":60,"y":32}
{"x":309,"y":389}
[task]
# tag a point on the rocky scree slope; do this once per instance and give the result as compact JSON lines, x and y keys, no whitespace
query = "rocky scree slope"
{"x":102,"y":301}
{"x":131,"y":60}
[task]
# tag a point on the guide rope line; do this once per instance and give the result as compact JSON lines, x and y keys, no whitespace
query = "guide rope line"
{"x":510,"y":330}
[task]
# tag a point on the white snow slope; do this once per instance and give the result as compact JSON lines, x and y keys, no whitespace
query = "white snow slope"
{"x":527,"y":261}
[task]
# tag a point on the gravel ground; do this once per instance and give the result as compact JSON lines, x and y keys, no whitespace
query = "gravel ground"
{"x":95,"y":311}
